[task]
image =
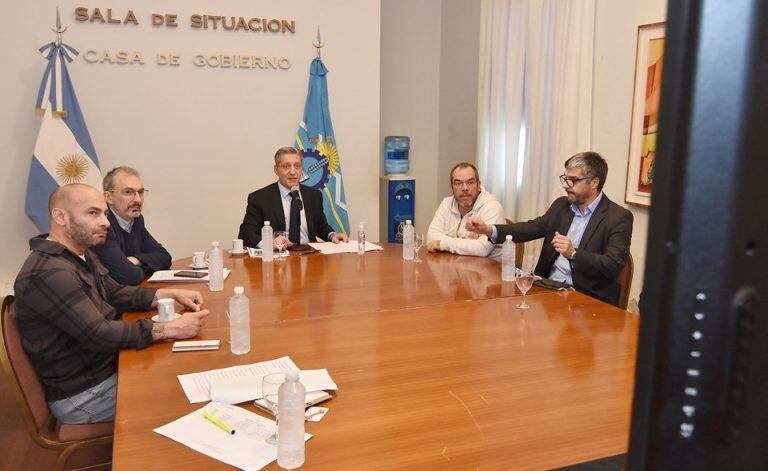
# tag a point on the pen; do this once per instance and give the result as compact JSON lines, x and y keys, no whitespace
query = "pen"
{"x":218,"y":422}
{"x":308,"y":252}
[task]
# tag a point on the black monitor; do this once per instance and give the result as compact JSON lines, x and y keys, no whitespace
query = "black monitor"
{"x":701,"y":386}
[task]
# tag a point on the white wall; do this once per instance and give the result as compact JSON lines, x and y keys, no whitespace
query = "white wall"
{"x":203,"y":138}
{"x":614,"y":68}
{"x":429,"y":70}
{"x":410,"y":91}
{"x":459,"y":69}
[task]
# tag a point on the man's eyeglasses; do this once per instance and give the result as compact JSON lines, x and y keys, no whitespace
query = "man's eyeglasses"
{"x":130,"y":192}
{"x":459,"y":183}
{"x":571,"y":181}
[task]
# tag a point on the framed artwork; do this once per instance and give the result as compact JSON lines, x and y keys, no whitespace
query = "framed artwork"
{"x":645,"y":114}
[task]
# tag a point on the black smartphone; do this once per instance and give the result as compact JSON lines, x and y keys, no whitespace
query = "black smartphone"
{"x":191,"y":274}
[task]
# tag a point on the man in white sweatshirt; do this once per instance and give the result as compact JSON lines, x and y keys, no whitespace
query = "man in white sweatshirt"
{"x":448,"y":232}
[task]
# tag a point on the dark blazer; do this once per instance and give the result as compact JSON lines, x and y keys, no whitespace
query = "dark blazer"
{"x":602,"y":252}
{"x":138,"y":243}
{"x":265,"y":205}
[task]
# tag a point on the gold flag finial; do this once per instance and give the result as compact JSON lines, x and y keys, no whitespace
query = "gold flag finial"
{"x":318,"y":43}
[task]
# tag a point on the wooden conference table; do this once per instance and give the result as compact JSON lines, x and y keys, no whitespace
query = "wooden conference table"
{"x":436,"y":367}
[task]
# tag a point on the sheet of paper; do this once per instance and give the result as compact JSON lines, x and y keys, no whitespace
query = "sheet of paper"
{"x":197,"y":386}
{"x":246,"y":449}
{"x":163,"y":276}
{"x":247,"y":388}
{"x":329,"y":248}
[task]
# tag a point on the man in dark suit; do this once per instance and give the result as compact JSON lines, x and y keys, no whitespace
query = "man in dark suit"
{"x":130,"y":252}
{"x":288,"y":206}
{"x":586,"y":235}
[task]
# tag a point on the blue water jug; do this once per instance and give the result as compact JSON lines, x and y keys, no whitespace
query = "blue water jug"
{"x":396,"y":154}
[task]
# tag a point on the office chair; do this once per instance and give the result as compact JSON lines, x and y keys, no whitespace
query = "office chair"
{"x":27,"y":390}
{"x":625,"y":281}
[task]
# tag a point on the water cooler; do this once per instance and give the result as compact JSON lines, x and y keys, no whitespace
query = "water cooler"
{"x":397,"y":191}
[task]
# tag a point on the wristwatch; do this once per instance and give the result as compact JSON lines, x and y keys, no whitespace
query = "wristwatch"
{"x":573,"y":255}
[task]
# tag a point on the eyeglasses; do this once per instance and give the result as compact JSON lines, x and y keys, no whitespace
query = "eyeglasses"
{"x":469,"y":183}
{"x":571,"y":181}
{"x":130,"y":192}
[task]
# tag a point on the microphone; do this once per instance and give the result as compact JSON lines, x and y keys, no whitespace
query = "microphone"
{"x":295,"y":195}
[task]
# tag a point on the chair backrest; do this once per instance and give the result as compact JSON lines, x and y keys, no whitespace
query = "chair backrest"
{"x":625,"y":281}
{"x":519,"y":251}
{"x":22,"y":378}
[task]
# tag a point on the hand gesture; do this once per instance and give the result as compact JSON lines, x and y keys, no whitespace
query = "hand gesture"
{"x":477,"y":225}
{"x":563,"y":245}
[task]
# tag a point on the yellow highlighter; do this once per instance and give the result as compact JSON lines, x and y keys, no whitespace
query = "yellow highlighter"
{"x":218,"y":422}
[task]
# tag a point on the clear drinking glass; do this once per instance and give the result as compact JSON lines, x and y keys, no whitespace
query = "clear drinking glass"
{"x":524,"y":281}
{"x":281,"y":242}
{"x":418,"y":241}
{"x":269,"y":386}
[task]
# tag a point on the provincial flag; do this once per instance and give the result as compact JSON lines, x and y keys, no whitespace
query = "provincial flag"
{"x":63,"y":152}
{"x":317,"y":142}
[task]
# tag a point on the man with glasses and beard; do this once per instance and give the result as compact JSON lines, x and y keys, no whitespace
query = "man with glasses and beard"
{"x":130,"y":252}
{"x":68,"y":310}
{"x":586,"y":236}
{"x":447,"y":231}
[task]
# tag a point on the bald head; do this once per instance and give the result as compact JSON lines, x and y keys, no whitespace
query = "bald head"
{"x":78,"y":217}
{"x":67,"y":196}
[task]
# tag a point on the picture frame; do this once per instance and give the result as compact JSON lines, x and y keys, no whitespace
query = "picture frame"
{"x":645,"y":113}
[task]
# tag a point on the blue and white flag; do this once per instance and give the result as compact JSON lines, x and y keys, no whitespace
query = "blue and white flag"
{"x":64,"y":152}
{"x":315,"y":138}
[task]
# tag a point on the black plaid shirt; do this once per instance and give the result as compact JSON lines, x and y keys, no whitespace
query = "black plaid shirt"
{"x":68,"y":311}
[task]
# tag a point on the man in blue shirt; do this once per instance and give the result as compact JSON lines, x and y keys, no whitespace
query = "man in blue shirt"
{"x":586,"y":235}
{"x":130,"y":252}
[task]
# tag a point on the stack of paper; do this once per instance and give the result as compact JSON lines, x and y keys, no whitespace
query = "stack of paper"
{"x":245,"y":449}
{"x":242,"y":383}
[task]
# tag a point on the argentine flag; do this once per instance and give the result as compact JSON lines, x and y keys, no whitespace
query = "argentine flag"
{"x":64,"y":152}
{"x":315,"y":139}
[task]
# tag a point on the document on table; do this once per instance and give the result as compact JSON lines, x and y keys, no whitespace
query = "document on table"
{"x":248,"y":388}
{"x":328,"y":248}
{"x":197,"y":386}
{"x":163,"y":276}
{"x":243,"y":383}
{"x":245,"y":449}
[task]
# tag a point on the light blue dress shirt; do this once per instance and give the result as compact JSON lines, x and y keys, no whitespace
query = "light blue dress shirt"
{"x":561,"y":270}
{"x":125,"y":225}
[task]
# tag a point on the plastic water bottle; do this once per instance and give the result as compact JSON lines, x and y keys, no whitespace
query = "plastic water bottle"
{"x":239,"y":322}
{"x":361,"y":239}
{"x":396,"y":150}
{"x":290,"y":431}
{"x":266,"y":243}
{"x":408,"y":235}
{"x":508,"y":260}
{"x":215,"y":268}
